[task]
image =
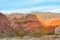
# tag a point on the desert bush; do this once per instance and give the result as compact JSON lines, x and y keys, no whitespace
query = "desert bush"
{"x":38,"y":34}
{"x":20,"y":33}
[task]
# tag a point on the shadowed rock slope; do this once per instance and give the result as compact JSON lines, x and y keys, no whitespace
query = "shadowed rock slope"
{"x":6,"y":25}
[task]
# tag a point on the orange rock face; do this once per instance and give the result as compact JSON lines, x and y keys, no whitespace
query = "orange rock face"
{"x":50,"y":22}
{"x":55,"y":22}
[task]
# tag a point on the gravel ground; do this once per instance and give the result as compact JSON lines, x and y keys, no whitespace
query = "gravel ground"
{"x":46,"y":37}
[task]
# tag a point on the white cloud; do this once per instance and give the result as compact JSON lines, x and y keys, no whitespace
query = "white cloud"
{"x":55,"y":10}
{"x":39,"y":9}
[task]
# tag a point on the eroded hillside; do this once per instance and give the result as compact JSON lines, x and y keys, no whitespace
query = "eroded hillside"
{"x":36,"y":21}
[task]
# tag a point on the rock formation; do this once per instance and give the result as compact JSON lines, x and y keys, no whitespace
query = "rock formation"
{"x":6,"y":25}
{"x":29,"y":22}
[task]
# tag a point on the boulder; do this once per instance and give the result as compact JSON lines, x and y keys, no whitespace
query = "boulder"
{"x":57,"y":30}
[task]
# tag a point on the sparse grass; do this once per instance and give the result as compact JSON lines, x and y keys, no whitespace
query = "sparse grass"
{"x":38,"y":34}
{"x":3,"y":35}
{"x":20,"y":34}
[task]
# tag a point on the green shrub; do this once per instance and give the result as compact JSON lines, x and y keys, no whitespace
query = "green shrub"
{"x":20,"y":34}
{"x":51,"y":33}
{"x":38,"y":34}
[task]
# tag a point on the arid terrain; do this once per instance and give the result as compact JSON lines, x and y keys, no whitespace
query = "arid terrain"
{"x":35,"y":25}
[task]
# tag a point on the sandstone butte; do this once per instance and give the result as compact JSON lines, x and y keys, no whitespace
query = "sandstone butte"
{"x":29,"y":22}
{"x":46,"y":22}
{"x":37,"y":20}
{"x":50,"y":21}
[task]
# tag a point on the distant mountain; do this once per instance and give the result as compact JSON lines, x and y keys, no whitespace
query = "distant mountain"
{"x":13,"y":15}
{"x":47,"y":15}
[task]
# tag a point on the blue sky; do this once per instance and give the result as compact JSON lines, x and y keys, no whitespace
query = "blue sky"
{"x":25,"y":6}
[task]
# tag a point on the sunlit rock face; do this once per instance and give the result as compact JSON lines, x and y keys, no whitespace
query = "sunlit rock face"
{"x":48,"y":18}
